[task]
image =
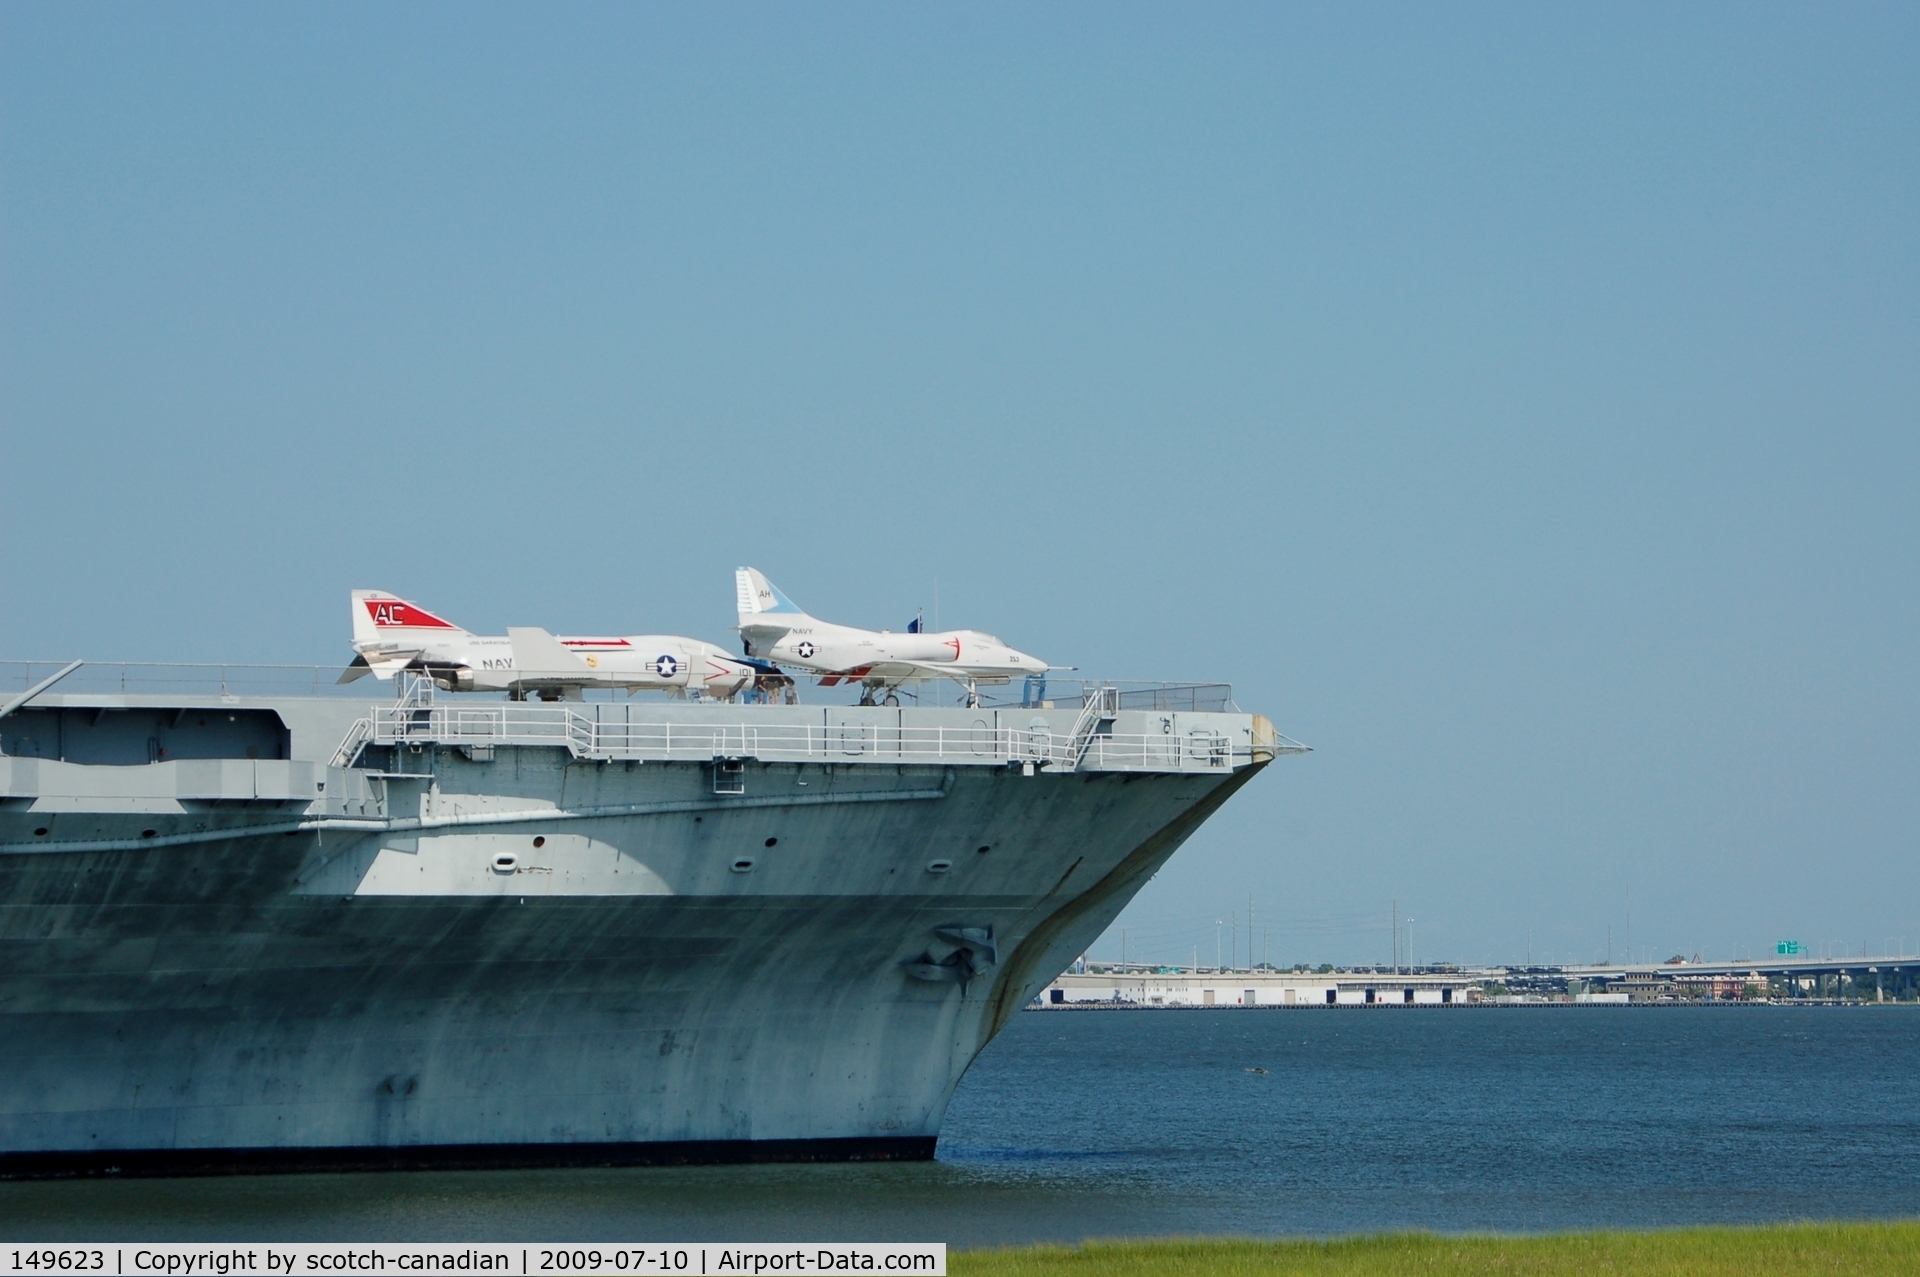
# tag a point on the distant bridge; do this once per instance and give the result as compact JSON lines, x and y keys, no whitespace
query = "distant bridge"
{"x":1772,"y":967}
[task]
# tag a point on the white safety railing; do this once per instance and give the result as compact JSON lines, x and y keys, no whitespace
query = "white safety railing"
{"x":355,"y":740}
{"x":1099,"y":707}
{"x":150,"y":678}
{"x":585,"y":735}
{"x":159,"y":678}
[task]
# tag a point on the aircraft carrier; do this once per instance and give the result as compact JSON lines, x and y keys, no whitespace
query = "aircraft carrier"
{"x":249,"y":927}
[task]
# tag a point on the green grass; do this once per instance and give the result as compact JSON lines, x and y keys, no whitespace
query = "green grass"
{"x":1735,"y":1252}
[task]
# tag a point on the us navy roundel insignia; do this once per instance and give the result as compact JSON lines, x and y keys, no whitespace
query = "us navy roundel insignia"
{"x":803,"y":650}
{"x":665,"y":665}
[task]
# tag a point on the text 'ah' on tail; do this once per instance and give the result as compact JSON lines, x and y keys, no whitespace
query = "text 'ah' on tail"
{"x":759,"y":596}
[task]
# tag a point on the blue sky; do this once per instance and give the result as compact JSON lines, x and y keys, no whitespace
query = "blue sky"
{"x":1516,"y":403}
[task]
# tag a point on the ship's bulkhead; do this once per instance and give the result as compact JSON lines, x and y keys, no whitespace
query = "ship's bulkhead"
{"x":130,"y":737}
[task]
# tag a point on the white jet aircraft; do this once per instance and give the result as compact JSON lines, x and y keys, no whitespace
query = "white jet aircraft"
{"x":774,"y":629}
{"x":391,"y":634}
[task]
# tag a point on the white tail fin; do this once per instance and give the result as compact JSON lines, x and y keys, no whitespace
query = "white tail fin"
{"x":758,"y":596}
{"x":379,"y":617}
{"x":388,"y":632}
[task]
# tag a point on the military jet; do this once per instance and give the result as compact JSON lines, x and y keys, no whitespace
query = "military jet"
{"x":773,"y":628}
{"x":391,"y":634}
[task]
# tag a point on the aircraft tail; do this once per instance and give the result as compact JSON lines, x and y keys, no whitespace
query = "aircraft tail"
{"x":760,"y":602}
{"x":382,"y":618}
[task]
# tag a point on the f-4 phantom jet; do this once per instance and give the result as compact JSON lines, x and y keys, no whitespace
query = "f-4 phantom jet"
{"x":772,"y":628}
{"x":391,"y":634}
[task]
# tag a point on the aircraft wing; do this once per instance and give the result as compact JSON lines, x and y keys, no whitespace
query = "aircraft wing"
{"x":958,"y":673}
{"x":900,"y":671}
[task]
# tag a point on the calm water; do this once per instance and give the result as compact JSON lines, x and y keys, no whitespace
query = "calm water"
{"x":1093,"y":1123}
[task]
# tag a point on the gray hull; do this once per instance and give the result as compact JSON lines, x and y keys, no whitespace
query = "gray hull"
{"x":688,"y":975}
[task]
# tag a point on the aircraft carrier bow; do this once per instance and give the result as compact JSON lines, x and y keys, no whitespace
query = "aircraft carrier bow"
{"x":261,"y":930}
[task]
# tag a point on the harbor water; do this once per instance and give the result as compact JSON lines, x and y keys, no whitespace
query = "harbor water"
{"x":1097,"y":1123}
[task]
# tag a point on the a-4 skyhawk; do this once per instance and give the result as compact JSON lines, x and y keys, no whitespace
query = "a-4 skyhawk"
{"x":772,"y":628}
{"x":391,"y":634}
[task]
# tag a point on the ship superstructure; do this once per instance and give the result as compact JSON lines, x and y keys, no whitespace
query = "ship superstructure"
{"x":275,"y":930}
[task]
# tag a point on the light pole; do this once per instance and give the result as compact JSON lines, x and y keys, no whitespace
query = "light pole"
{"x":1410,"y":963}
{"x":1216,"y":943}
